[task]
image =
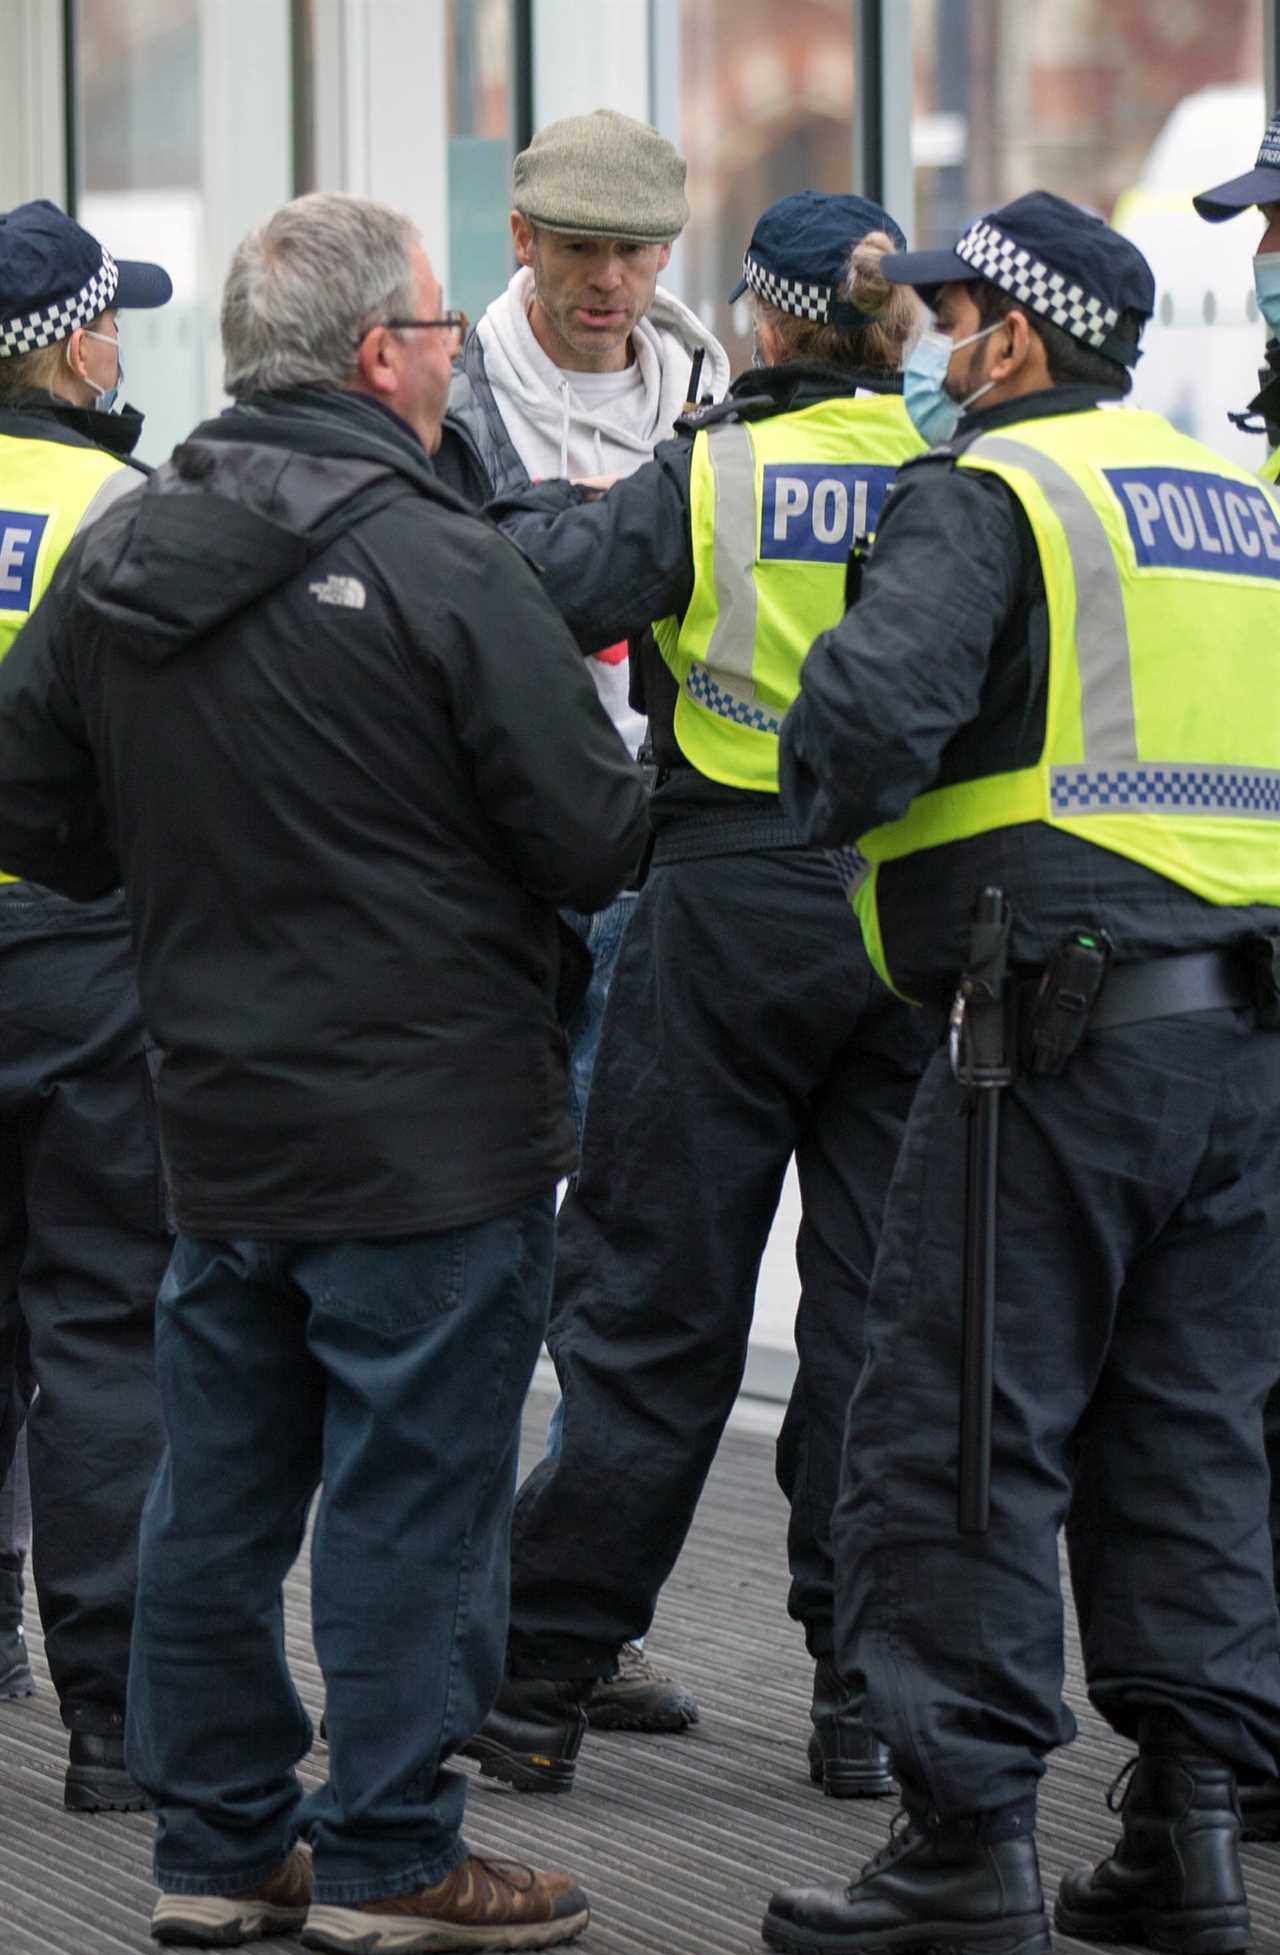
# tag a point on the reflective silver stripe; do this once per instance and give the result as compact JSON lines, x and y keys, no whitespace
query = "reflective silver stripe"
{"x":125,"y":481}
{"x":732,"y":646}
{"x":1102,"y":635}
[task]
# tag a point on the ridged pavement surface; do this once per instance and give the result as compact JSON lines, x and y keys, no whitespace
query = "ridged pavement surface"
{"x":678,"y":1840}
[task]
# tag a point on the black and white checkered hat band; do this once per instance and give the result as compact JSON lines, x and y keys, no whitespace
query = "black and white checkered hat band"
{"x":788,"y":294}
{"x":1026,"y":278}
{"x":55,"y":322}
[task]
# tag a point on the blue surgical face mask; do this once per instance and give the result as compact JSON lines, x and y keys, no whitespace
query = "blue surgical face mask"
{"x":105,"y":401}
{"x":934,"y":414}
{"x":1266,"y":284}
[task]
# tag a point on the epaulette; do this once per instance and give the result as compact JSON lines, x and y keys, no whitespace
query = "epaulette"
{"x":741,"y":407}
{"x":943,"y":452}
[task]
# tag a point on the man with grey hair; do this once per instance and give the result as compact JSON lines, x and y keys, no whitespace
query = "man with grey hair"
{"x":343,"y":862}
{"x":579,"y":369}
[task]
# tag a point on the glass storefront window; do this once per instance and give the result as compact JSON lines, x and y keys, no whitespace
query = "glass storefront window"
{"x":1128,"y":109}
{"x":479,"y":157}
{"x":766,"y":108}
{"x":182,"y":142}
{"x":138,"y":152}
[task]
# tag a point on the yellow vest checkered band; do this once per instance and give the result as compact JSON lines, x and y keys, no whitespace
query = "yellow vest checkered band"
{"x":775,"y":506}
{"x":46,"y":488}
{"x":1161,"y":565}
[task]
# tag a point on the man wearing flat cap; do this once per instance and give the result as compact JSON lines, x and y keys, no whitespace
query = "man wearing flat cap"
{"x":83,"y":1239}
{"x":1051,"y":729}
{"x":1259,"y":188}
{"x":579,"y":369}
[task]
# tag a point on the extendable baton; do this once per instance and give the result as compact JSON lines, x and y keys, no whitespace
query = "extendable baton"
{"x":981,"y":1061}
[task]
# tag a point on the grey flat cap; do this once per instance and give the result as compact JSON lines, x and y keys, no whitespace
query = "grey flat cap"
{"x":602,"y":175}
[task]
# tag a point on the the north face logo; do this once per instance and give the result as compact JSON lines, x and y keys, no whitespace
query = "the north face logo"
{"x":347,"y":591}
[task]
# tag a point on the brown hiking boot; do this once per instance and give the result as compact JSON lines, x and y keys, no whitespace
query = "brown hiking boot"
{"x":639,"y":1697}
{"x":276,"y":1906}
{"x":481,"y":1904}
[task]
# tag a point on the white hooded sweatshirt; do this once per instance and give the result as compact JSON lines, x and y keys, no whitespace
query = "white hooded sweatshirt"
{"x":581,"y":424}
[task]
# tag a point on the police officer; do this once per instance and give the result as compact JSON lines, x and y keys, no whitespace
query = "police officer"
{"x":1057,"y":686}
{"x":744,"y":1023}
{"x":1259,"y":186}
{"x":83,"y":1241}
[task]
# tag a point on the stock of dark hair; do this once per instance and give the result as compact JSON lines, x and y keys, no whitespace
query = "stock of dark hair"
{"x":1070,"y":360}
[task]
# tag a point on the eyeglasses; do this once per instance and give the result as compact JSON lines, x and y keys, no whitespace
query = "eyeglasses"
{"x":452,"y":322}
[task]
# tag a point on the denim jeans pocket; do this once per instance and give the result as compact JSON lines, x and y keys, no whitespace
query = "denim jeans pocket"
{"x":395,"y":1285}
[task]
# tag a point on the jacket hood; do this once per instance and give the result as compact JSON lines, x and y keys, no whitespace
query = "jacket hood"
{"x":551,"y":425}
{"x":240,"y":507}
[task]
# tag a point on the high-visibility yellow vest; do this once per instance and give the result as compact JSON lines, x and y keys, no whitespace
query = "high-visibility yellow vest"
{"x":1161,"y":566}
{"x":775,"y":506}
{"x":1270,"y":470}
{"x":47,"y":489}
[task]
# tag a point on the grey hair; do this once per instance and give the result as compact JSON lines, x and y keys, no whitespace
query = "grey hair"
{"x":306,"y":286}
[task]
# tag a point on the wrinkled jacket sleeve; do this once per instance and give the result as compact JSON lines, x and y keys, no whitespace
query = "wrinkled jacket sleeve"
{"x":552,"y":772}
{"x":52,"y":826}
{"x":615,"y":563}
{"x":884,"y":691}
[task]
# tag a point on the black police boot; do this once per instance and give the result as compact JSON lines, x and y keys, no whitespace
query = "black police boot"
{"x":844,"y":1758}
{"x":16,"y":1679}
{"x":940,"y":1888}
{"x":1259,"y":1808}
{"x":1174,"y":1878}
{"x":532,"y":1736}
{"x":96,"y":1777}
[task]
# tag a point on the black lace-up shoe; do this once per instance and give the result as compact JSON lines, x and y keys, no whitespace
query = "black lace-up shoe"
{"x":96,"y":1777}
{"x":844,"y":1758}
{"x":1174,"y":1879}
{"x":1259,"y":1808}
{"x":639,"y":1697}
{"x":938,"y":1889}
{"x":532,"y":1736}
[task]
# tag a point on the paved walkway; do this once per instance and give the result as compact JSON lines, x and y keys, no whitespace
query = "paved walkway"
{"x":677,"y":1840}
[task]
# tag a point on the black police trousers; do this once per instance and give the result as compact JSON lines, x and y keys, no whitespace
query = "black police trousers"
{"x":83,"y":1246}
{"x":744,"y":1024}
{"x":1137,"y":1338}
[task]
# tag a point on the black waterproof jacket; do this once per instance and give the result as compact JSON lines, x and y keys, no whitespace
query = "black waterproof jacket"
{"x":346,"y":758}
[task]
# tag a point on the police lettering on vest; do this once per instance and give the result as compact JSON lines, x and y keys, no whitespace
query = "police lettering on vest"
{"x":1184,"y":519}
{"x":20,"y":536}
{"x":775,"y":506}
{"x":816,"y":512}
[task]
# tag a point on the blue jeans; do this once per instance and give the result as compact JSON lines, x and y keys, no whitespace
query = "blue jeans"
{"x":393,"y":1372}
{"x":602,"y":934}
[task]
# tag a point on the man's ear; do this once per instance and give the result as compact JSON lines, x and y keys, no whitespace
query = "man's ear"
{"x":664,"y":257}
{"x":1022,"y":348}
{"x":375,"y":361}
{"x":522,"y":238}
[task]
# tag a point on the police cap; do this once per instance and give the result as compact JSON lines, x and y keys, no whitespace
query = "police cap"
{"x":798,"y":257}
{"x":1052,"y":257}
{"x":54,"y":276}
{"x":1260,"y":185}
